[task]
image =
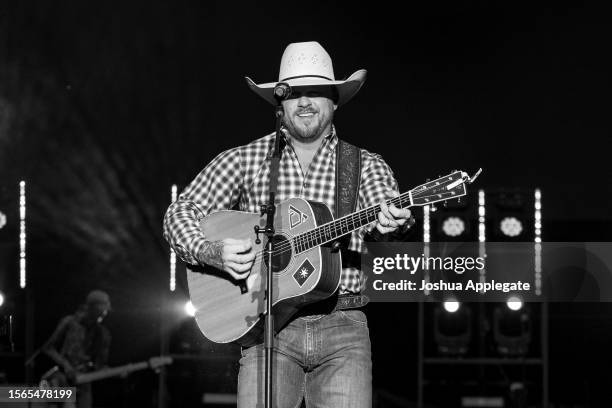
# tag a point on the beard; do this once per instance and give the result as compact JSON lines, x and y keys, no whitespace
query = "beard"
{"x":307,"y":129}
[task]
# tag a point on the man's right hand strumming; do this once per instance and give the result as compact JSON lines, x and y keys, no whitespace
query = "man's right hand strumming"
{"x":235,"y":256}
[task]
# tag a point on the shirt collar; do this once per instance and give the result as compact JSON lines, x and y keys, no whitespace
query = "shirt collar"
{"x":331,"y":139}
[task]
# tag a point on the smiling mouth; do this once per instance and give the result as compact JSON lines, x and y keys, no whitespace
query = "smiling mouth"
{"x":306,"y":114}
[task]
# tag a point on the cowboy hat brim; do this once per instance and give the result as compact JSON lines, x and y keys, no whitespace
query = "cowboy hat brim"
{"x":346,"y":89}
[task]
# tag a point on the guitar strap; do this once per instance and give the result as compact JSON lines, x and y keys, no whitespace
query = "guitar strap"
{"x":348,"y":177}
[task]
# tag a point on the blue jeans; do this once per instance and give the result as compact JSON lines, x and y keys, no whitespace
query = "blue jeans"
{"x":323,"y":359}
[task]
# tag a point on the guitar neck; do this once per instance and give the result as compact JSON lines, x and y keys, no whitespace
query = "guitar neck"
{"x":335,"y":229}
{"x":110,"y":372}
{"x":443,"y":188}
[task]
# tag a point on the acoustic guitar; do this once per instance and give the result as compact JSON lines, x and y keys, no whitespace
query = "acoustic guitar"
{"x":306,"y":268}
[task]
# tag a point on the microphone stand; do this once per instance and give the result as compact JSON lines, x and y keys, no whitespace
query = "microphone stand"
{"x":269,"y":209}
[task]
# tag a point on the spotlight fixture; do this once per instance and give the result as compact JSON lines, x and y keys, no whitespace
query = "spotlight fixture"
{"x":451,"y":306}
{"x":514,"y":303}
{"x":455,"y":221}
{"x":2,"y":219}
{"x":453,"y":226}
{"x":452,"y":329}
{"x":511,"y":227}
{"x":1,"y":299}
{"x":512,"y":328}
{"x":509,"y":215}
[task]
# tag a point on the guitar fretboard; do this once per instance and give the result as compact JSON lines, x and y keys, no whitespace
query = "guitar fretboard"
{"x":334,"y":229}
{"x":447,"y":187}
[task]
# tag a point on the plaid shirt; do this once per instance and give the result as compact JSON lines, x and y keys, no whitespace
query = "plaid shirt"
{"x":81,"y":344}
{"x":240,"y":176}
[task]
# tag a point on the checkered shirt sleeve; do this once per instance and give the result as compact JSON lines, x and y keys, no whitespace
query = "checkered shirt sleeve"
{"x":217,"y":187}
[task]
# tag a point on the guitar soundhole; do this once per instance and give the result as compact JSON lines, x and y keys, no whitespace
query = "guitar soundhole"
{"x":282,"y":253}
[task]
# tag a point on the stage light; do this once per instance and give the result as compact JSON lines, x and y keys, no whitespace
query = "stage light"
{"x":173,"y":191}
{"x":538,"y":216}
{"x":451,"y":306}
{"x":511,"y":227}
{"x":2,"y":219}
{"x":482,"y":237}
{"x":172,"y":270}
{"x":452,"y":329}
{"x":514,"y":303}
{"x":426,"y":240}
{"x":512,"y":330}
{"x":455,"y":221}
{"x":1,"y":299}
{"x":538,"y":241}
{"x":426,"y":224}
{"x":22,"y":234}
{"x":481,"y":216}
{"x":509,"y":215}
{"x":190,"y":309}
{"x":453,"y":226}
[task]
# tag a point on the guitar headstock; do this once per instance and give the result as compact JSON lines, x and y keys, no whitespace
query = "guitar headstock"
{"x":443,"y":188}
{"x":156,"y":362}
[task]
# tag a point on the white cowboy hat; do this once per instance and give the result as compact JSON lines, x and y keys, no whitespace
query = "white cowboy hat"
{"x":308,"y":64}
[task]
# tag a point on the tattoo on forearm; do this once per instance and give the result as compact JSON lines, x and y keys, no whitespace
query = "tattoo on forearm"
{"x":211,"y":253}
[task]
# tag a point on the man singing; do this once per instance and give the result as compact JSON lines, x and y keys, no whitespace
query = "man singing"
{"x":322,"y":356}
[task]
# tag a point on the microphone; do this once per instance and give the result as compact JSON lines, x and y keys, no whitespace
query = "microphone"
{"x":102,"y":316}
{"x":282,"y":91}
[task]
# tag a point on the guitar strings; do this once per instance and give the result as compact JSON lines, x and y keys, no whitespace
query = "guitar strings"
{"x":316,"y":233}
{"x":319,"y":231}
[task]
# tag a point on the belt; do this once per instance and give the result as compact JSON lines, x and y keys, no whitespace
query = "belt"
{"x":333,"y":303}
{"x":348,"y":301}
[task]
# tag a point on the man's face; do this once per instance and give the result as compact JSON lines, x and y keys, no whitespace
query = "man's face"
{"x":309,"y":112}
{"x":98,"y":310}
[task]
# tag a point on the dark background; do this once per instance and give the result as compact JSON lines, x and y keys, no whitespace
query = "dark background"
{"x":104,"y":105}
